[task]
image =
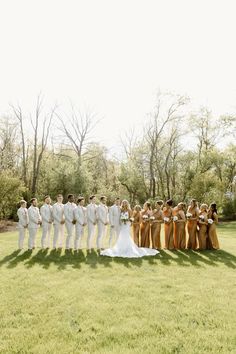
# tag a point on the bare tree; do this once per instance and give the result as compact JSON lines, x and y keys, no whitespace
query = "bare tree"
{"x":17,"y":111}
{"x":77,"y":129}
{"x":167,"y":110}
{"x":40,"y":144}
{"x":41,"y":124}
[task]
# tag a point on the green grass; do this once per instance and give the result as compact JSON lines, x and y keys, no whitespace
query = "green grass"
{"x":177,"y":302}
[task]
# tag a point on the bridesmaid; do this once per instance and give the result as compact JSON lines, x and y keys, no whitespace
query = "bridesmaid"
{"x":136,"y":221}
{"x":202,"y":224}
{"x":179,"y":226}
{"x":212,"y":236}
{"x":168,"y":225}
{"x":156,"y":221}
{"x":145,"y":225}
{"x":192,"y":217}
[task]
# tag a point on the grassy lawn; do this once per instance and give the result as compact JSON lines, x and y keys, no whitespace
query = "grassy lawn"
{"x":177,"y":302}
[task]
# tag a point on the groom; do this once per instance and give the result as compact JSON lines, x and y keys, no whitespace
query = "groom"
{"x":102,"y":216}
{"x":114,"y":219}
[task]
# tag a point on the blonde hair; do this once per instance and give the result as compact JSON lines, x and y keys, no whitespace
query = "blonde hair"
{"x":122,"y":205}
{"x":137,"y":208}
{"x":204,"y":206}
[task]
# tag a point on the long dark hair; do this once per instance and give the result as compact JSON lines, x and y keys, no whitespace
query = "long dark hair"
{"x":213,"y":207}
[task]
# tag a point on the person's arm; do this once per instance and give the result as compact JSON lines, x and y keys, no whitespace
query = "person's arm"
{"x":55,"y":214}
{"x":216,"y":219}
{"x":182,"y":216}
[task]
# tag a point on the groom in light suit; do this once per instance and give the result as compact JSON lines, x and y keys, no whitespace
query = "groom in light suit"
{"x":81,"y":221}
{"x":69,"y":208}
{"x":92,"y":220}
{"x":46,"y":214}
{"x":103,"y":220}
{"x":114,"y":219}
{"x":58,"y":222}
{"x":34,"y":222}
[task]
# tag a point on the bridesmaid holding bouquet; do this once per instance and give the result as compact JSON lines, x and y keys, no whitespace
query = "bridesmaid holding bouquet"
{"x":179,"y":227}
{"x":212,"y":222}
{"x":145,"y":225}
{"x":202,"y":224}
{"x":192,"y":217}
{"x":156,"y":221}
{"x":168,"y":225}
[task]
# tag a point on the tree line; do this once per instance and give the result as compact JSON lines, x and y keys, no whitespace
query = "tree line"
{"x":179,"y":153}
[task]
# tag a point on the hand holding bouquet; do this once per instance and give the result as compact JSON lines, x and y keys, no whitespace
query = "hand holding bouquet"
{"x":210,"y":221}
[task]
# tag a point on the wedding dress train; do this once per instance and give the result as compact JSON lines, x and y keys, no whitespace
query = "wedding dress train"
{"x":125,"y":246}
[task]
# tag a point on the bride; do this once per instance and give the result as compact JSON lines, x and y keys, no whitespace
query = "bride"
{"x":125,"y":246}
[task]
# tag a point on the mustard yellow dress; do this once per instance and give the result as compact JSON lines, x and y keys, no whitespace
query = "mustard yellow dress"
{"x":213,"y":242}
{"x":168,"y":228}
{"x":145,"y":230}
{"x":179,"y":231}
{"x":192,"y":229}
{"x":156,"y":229}
{"x":202,"y":232}
{"x":136,"y":227}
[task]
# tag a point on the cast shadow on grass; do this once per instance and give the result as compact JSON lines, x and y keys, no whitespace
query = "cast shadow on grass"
{"x":63,"y":259}
{"x":198,"y":258}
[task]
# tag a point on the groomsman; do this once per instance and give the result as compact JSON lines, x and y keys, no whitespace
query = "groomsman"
{"x":23,"y":222}
{"x":58,"y":221}
{"x":46,"y":214}
{"x":114,"y":219}
{"x":81,"y":220}
{"x":34,"y":222}
{"x":69,"y":218}
{"x":102,"y":216}
{"x":92,"y":220}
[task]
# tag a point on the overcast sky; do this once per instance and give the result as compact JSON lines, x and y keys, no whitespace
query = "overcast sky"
{"x":113,"y":56}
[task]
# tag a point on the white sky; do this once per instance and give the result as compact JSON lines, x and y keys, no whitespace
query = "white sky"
{"x":114,"y":55}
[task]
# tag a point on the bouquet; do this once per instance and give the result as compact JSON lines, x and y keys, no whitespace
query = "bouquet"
{"x":189,"y":215}
{"x":152,"y":218}
{"x":210,"y":221}
{"x":166,"y":219}
{"x":201,"y":217}
{"x":145,"y":217}
{"x":124,"y":217}
{"x":175,"y":218}
{"x":132,"y":219}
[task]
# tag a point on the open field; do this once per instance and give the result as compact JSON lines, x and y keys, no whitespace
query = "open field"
{"x":176,"y":302}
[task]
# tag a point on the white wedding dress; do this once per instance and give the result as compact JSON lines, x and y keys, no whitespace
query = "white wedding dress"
{"x":125,"y":246}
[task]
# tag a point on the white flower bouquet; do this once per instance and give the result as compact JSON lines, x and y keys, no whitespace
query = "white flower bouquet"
{"x":152,"y":218}
{"x":189,"y":215}
{"x":124,"y":217}
{"x":175,"y":218}
{"x":131,"y":219}
{"x":145,"y":217}
{"x":210,"y":221}
{"x":202,"y":217}
{"x":166,"y":219}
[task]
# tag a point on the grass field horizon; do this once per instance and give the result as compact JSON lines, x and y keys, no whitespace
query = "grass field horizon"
{"x":58,"y":301}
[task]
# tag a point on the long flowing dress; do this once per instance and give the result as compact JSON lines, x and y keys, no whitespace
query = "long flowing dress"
{"x":145,"y":229}
{"x":212,"y":235}
{"x":202,"y":232}
{"x":192,"y":229}
{"x":136,"y":227}
{"x":179,"y":231}
{"x":156,"y":229}
{"x":125,"y":246}
{"x":168,"y":228}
